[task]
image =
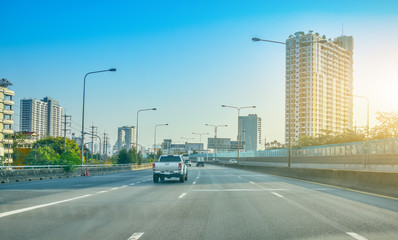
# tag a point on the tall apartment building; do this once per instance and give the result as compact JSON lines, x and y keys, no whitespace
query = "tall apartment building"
{"x":6,"y":113}
{"x":125,"y":138}
{"x":54,"y":117}
{"x":250,"y":129}
{"x":319,"y":85}
{"x":44,"y":117}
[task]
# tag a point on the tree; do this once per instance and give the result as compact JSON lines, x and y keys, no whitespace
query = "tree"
{"x":124,"y":157}
{"x":327,"y":137}
{"x":274,"y":144}
{"x":54,"y":151}
{"x":42,"y":155}
{"x":387,"y":127}
{"x":159,"y":153}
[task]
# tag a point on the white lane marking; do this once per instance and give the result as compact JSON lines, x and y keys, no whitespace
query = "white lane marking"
{"x":132,"y":184}
{"x":356,"y":236}
{"x":136,"y":236}
{"x":114,"y":188}
{"x":182,"y":195}
{"x":102,"y":192}
{"x":229,"y":190}
{"x":251,"y":182}
{"x":4,"y":214}
{"x":194,"y":183}
{"x":276,"y":194}
{"x":123,"y":186}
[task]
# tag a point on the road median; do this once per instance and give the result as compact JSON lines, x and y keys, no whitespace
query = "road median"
{"x":23,"y":175}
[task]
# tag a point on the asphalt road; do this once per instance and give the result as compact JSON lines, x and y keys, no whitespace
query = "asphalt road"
{"x":215,"y":203}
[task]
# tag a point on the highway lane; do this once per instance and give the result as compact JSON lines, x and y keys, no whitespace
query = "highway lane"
{"x":215,"y":203}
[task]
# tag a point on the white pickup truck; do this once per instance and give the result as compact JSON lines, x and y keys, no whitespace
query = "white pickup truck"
{"x":170,"y":166}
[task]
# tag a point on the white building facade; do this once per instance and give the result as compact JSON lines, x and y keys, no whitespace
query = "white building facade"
{"x":6,"y":121}
{"x":319,"y":85}
{"x":250,"y":129}
{"x":125,"y":138}
{"x":42,"y":117}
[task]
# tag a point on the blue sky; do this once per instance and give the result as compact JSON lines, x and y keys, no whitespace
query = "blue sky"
{"x":185,"y":58}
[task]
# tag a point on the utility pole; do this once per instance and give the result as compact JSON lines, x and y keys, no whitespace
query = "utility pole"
{"x":66,"y":123}
{"x":104,"y":151}
{"x":265,"y":143}
{"x":92,"y":140}
{"x":106,"y":145}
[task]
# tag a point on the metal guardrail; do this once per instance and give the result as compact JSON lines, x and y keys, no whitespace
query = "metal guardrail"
{"x":63,"y":166}
{"x":376,"y":147}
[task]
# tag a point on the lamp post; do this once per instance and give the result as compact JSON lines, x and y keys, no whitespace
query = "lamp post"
{"x":239,"y":136}
{"x":367,"y":127}
{"x":200,"y":139}
{"x":215,"y":136}
{"x":99,"y":145}
{"x":136,"y":129}
{"x":255,"y":39}
{"x":84,"y":94}
{"x":154,"y":141}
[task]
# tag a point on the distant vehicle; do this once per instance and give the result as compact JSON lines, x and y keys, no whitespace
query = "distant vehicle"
{"x":170,"y":166}
{"x":200,"y":164}
{"x":185,"y":157}
{"x":233,"y":161}
{"x":188,"y":163}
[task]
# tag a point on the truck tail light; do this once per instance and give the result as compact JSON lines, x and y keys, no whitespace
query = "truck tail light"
{"x":153,"y":166}
{"x":179,"y":166}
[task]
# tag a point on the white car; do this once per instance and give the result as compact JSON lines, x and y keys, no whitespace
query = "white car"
{"x":170,"y":166}
{"x":233,"y":161}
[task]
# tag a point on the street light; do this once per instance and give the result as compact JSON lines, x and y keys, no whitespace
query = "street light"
{"x":154,"y":141}
{"x":200,"y":140}
{"x":215,"y":136}
{"x":367,"y":125}
{"x":84,"y":94}
{"x":99,"y":145}
{"x":238,"y":108}
{"x":136,"y":130}
{"x":255,"y":39}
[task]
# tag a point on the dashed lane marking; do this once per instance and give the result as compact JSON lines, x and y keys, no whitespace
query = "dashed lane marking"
{"x":356,"y":236}
{"x":182,"y":195}
{"x":115,"y":188}
{"x":136,"y":236}
{"x":336,"y":187}
{"x":102,"y":192}
{"x":251,"y":182}
{"x":277,"y":194}
{"x":234,"y":190}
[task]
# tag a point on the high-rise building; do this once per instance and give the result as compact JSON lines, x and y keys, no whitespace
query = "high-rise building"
{"x":319,"y":85}
{"x":54,"y":113}
{"x":125,"y":138}
{"x":42,"y":117}
{"x":250,"y":129}
{"x":6,"y":112}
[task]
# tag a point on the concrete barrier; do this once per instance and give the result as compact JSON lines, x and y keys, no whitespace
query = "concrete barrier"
{"x":385,"y":183}
{"x":22,"y":175}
